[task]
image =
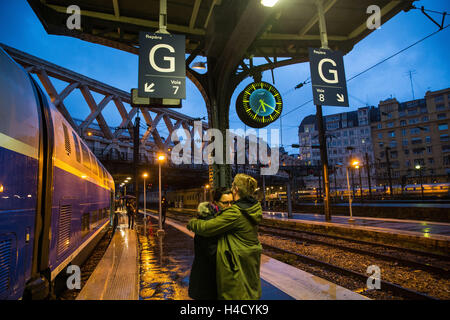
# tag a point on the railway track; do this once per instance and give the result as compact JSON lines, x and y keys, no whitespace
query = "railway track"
{"x":385,"y":285}
{"x":368,"y":251}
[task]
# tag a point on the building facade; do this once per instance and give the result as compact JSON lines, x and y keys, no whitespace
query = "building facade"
{"x":349,"y":138}
{"x":411,"y":140}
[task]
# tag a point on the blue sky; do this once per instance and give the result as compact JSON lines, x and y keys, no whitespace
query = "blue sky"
{"x":21,"y":29}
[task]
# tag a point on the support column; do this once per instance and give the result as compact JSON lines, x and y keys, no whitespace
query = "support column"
{"x":136,"y":158}
{"x":322,"y":139}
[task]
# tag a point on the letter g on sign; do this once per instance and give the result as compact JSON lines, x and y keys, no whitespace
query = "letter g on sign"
{"x":171,"y":60}
{"x":333,"y":72}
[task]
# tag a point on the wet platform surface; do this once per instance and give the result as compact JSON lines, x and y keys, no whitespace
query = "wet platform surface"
{"x":116,"y":275}
{"x":423,"y":228}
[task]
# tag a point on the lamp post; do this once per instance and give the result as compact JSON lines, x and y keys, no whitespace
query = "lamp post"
{"x":354,"y":163}
{"x":161,"y":158}
{"x":145,"y":175}
{"x":418,"y":167}
{"x":206,"y":187}
{"x":360,"y":182}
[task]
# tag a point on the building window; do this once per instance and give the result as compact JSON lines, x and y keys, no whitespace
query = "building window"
{"x":394,"y":154}
{"x":404,"y":142}
{"x":380,"y":135}
{"x":406,"y":151}
{"x":443,"y":137}
{"x":380,"y":144}
{"x":416,"y":141}
{"x":425,"y":119}
{"x":439,"y":99}
{"x":430,"y":160}
{"x":440,"y":107}
{"x":446,"y":148}
{"x":415,"y":131}
{"x":391,"y":133}
{"x":379,"y":126}
{"x":429,"y":149}
{"x":441,"y":116}
{"x":390,"y":124}
{"x":443,"y":126}
{"x":418,"y":151}
{"x":393,"y":144}
{"x":403,"y":132}
{"x":408,"y":163}
{"x":403,"y":122}
{"x":428,"y":139}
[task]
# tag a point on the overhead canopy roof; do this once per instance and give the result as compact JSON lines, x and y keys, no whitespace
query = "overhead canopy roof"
{"x":285,"y":30}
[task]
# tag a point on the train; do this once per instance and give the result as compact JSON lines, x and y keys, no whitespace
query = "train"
{"x":56,"y":198}
{"x":190,"y":198}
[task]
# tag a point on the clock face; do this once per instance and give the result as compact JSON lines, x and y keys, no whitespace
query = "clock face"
{"x":259,"y":104}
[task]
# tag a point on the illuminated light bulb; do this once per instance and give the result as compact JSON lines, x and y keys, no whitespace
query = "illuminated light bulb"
{"x":268,"y":3}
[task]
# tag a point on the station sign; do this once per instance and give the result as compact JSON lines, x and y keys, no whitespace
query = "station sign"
{"x":162,"y":66}
{"x":328,"y":77}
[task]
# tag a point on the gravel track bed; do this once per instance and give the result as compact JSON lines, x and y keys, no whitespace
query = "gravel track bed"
{"x":377,"y":248}
{"x":404,"y":276}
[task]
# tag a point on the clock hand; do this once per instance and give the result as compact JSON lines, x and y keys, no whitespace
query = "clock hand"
{"x":262,"y":104}
{"x":268,"y":105}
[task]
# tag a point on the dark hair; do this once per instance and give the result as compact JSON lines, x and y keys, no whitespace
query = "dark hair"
{"x":218,"y":193}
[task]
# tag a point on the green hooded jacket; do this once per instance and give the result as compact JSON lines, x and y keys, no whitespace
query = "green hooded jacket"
{"x":238,"y":257}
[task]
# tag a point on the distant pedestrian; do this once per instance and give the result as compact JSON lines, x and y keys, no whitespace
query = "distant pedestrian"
{"x":202,"y":280}
{"x":164,"y":206}
{"x":115,"y":223}
{"x":238,"y":257}
{"x":130,"y":213}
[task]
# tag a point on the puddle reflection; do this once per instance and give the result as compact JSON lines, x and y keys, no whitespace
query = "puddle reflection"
{"x":165,"y":263}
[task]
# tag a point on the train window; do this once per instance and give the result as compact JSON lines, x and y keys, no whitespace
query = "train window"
{"x":85,"y":224}
{"x":77,"y":147}
{"x":86,"y":161}
{"x":94,"y":165}
{"x":66,"y":140}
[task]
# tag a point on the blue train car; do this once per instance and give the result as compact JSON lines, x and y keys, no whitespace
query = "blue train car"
{"x":56,"y":198}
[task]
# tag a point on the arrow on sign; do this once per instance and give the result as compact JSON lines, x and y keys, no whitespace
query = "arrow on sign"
{"x":340,"y":97}
{"x":148,"y":88}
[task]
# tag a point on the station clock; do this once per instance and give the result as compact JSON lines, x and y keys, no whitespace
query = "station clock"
{"x":259,"y":104}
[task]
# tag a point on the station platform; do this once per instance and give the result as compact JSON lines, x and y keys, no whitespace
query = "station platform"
{"x":422,"y":228}
{"x":149,"y":266}
{"x":433,"y":237}
{"x":116,"y":277}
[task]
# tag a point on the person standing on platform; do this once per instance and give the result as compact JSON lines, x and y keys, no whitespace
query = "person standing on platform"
{"x":202,"y":280}
{"x":164,"y":206}
{"x":130,"y":213}
{"x":238,"y":256}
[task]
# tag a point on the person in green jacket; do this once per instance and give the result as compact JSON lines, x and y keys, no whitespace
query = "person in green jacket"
{"x":238,"y":256}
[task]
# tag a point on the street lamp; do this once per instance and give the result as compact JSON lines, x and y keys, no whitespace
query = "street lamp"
{"x":145,"y":175}
{"x":354,"y":163}
{"x":160,"y":158}
{"x":418,"y":167}
{"x":204,"y":191}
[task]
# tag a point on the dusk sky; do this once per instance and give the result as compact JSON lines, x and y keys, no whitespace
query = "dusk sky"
{"x":21,"y":29}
